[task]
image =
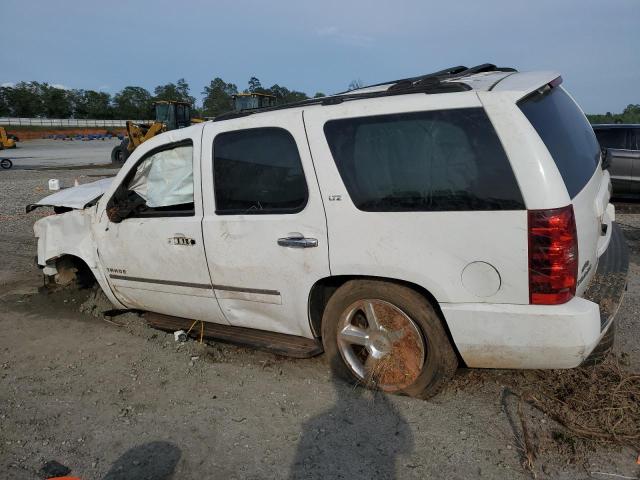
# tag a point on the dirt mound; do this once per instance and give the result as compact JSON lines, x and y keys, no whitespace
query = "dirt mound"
{"x":96,"y":304}
{"x":594,"y":403}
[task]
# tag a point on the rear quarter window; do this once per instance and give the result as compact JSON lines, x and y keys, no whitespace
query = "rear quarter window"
{"x":566,"y":133}
{"x":423,"y":161}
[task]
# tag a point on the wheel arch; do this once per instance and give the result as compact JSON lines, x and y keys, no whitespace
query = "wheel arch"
{"x":324,"y":288}
{"x":69,"y":266}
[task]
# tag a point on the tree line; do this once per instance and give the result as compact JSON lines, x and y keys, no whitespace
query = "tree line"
{"x":36,"y":99}
{"x":631,"y":114}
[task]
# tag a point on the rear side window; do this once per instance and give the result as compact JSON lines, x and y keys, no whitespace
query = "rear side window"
{"x":258,"y":171}
{"x":424,"y":161}
{"x":566,"y":133}
{"x":612,"y":137}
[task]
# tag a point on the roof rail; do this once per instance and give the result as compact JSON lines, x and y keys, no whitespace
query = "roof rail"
{"x":429,"y":83}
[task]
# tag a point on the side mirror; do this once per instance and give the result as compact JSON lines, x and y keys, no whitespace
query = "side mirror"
{"x":124,"y":204}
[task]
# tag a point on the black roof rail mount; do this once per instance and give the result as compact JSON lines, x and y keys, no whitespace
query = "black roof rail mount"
{"x":429,"y":83}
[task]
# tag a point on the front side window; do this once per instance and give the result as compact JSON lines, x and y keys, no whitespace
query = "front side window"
{"x":161,"y":184}
{"x":258,"y":171}
{"x":424,"y":161}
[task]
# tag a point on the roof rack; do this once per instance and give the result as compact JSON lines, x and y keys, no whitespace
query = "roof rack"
{"x":429,"y":83}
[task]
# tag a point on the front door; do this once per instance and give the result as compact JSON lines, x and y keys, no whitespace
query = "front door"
{"x":264,"y":225}
{"x":149,"y":234}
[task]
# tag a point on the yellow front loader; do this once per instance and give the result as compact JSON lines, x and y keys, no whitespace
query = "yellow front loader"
{"x":170,"y":115}
{"x":6,"y":141}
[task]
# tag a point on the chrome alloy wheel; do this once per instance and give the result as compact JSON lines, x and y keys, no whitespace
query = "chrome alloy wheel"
{"x":380,"y":344}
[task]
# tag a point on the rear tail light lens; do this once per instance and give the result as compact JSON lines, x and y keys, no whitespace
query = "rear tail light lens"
{"x":553,"y":256}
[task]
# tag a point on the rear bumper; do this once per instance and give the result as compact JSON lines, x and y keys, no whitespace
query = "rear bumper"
{"x":542,"y":336}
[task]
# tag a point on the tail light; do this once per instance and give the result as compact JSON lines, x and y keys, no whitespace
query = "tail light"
{"x":553,"y":256}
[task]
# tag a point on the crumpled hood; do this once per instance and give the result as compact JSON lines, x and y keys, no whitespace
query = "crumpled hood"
{"x":75,"y":197}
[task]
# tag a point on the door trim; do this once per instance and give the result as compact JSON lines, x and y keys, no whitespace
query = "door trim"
{"x":227,"y":288}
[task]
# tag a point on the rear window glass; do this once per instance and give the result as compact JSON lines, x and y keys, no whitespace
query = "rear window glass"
{"x":567,"y":134}
{"x":424,"y":161}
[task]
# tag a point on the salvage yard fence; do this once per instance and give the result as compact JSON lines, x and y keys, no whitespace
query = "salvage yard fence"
{"x":64,"y":122}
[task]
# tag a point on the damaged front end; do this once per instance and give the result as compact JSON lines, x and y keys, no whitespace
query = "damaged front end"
{"x":65,"y":234}
{"x":66,"y":248}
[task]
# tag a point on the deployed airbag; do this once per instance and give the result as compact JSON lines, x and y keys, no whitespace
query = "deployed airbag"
{"x":165,"y":178}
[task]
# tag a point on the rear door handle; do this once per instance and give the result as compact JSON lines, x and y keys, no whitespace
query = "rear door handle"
{"x":298,"y":241}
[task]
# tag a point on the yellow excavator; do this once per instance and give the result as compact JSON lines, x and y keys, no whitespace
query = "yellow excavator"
{"x":170,"y":115}
{"x":6,"y":141}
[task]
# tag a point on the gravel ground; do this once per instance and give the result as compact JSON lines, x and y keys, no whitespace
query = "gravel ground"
{"x":121,"y":400}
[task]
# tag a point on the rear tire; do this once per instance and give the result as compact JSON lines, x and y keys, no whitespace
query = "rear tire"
{"x":6,"y":163}
{"x":419,"y":359}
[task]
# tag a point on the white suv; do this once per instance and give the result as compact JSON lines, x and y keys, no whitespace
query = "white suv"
{"x":405,"y":228}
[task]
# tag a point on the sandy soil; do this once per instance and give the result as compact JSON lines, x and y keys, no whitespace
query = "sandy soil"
{"x":121,"y":400}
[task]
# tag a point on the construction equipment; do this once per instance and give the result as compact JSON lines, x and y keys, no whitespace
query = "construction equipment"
{"x":252,"y":101}
{"x":6,"y":141}
{"x":170,"y":115}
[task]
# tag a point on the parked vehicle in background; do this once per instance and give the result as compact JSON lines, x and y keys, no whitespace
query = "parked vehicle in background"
{"x":620,"y":144}
{"x":460,"y":217}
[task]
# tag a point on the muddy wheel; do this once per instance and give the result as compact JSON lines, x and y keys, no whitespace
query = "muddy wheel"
{"x":388,"y":337}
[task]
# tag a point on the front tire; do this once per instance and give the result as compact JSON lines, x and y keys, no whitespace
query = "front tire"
{"x":388,"y":337}
{"x":120,"y":153}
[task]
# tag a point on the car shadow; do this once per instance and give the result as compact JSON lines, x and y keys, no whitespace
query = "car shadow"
{"x":153,"y":460}
{"x":360,"y":436}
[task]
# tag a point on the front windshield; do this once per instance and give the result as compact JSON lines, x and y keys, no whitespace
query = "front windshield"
{"x":162,"y":112}
{"x":245,"y":103}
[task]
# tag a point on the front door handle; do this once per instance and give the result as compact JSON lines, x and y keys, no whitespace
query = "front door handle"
{"x":298,"y":241}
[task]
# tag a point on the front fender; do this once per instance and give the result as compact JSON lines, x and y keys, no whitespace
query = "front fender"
{"x":66,"y":234}
{"x":70,"y":234}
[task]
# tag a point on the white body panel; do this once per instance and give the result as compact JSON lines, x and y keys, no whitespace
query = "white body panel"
{"x":430,"y":249}
{"x":524,"y":336}
{"x":77,"y":197}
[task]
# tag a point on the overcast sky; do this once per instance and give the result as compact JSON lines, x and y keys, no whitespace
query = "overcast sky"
{"x":320,"y":45}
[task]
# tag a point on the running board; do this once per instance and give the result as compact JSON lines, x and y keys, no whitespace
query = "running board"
{"x":280,"y":343}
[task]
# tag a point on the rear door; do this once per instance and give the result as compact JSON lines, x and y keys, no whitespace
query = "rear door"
{"x":570,"y":140}
{"x":264,"y":224}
